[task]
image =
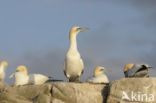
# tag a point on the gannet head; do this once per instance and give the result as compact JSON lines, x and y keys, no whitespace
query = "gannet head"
{"x":75,"y":30}
{"x":23,"y":69}
{"x":128,"y":66}
{"x":100,"y":70}
{"x":4,"y":64}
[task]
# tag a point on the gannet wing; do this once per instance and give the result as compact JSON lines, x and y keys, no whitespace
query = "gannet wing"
{"x":81,"y":62}
{"x":64,"y":69}
{"x":12,"y":75}
{"x":64,"y":66}
{"x":82,"y":65}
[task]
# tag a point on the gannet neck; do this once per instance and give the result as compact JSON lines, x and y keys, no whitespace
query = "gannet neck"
{"x":99,"y":73}
{"x":73,"y":41}
{"x":2,"y":68}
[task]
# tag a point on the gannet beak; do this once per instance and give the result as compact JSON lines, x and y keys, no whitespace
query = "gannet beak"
{"x":106,"y":70}
{"x":83,"y":29}
{"x":149,"y":67}
{"x":11,"y":76}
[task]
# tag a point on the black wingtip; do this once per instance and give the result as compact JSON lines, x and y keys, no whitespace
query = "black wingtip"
{"x":54,"y":80}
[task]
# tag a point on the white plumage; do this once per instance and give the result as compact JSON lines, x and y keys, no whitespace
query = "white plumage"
{"x":3,"y":66}
{"x":73,"y":65}
{"x":99,"y":76}
{"x":22,"y":77}
{"x":38,"y":79}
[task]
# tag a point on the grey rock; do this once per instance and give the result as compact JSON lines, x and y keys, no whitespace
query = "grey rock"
{"x":134,"y":90}
{"x":80,"y":92}
{"x":65,"y":92}
{"x":54,"y":93}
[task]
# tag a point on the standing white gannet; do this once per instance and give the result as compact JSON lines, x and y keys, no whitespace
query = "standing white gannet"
{"x":3,"y":67}
{"x":136,"y":70}
{"x":73,"y":65}
{"x":99,"y":76}
{"x":22,"y":77}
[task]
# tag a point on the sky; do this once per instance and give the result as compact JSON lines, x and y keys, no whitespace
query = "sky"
{"x":35,"y":33}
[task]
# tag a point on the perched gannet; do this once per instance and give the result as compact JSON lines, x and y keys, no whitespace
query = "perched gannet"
{"x":22,"y":77}
{"x":73,"y":65}
{"x":99,"y":76}
{"x":136,"y":70}
{"x":3,"y":66}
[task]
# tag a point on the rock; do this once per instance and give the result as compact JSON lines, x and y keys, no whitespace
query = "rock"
{"x":133,"y":90}
{"x":20,"y":94}
{"x":54,"y":93}
{"x":79,"y":93}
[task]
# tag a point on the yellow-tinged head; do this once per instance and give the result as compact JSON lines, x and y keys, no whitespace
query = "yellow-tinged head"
{"x":128,"y":66}
{"x":75,"y":30}
{"x":100,"y":70}
{"x":23,"y":69}
{"x":4,"y":63}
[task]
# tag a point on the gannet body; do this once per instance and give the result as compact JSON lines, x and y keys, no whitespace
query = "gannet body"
{"x":99,"y":76}
{"x":3,"y":66}
{"x":22,"y":77}
{"x":73,"y":65}
{"x":136,"y":70}
{"x":38,"y":79}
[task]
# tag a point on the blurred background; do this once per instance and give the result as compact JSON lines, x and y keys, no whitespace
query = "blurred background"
{"x":35,"y":33}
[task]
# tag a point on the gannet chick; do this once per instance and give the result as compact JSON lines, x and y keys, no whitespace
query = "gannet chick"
{"x":73,"y":65}
{"x":136,"y":70}
{"x":99,"y":76}
{"x":3,"y":67}
{"x":34,"y":79}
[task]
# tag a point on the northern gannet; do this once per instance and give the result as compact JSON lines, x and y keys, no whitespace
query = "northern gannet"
{"x":99,"y":76}
{"x":3,"y":67}
{"x":22,"y":77}
{"x":136,"y":70}
{"x":73,"y":65}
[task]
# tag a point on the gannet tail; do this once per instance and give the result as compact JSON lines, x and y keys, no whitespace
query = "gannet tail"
{"x":53,"y":80}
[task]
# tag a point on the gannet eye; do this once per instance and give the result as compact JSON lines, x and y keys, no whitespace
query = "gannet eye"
{"x":101,"y":69}
{"x":78,"y":29}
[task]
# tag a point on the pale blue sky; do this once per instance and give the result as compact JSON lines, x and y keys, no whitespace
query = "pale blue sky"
{"x":35,"y":33}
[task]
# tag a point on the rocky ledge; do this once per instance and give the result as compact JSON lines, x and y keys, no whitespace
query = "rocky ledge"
{"x":130,"y":90}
